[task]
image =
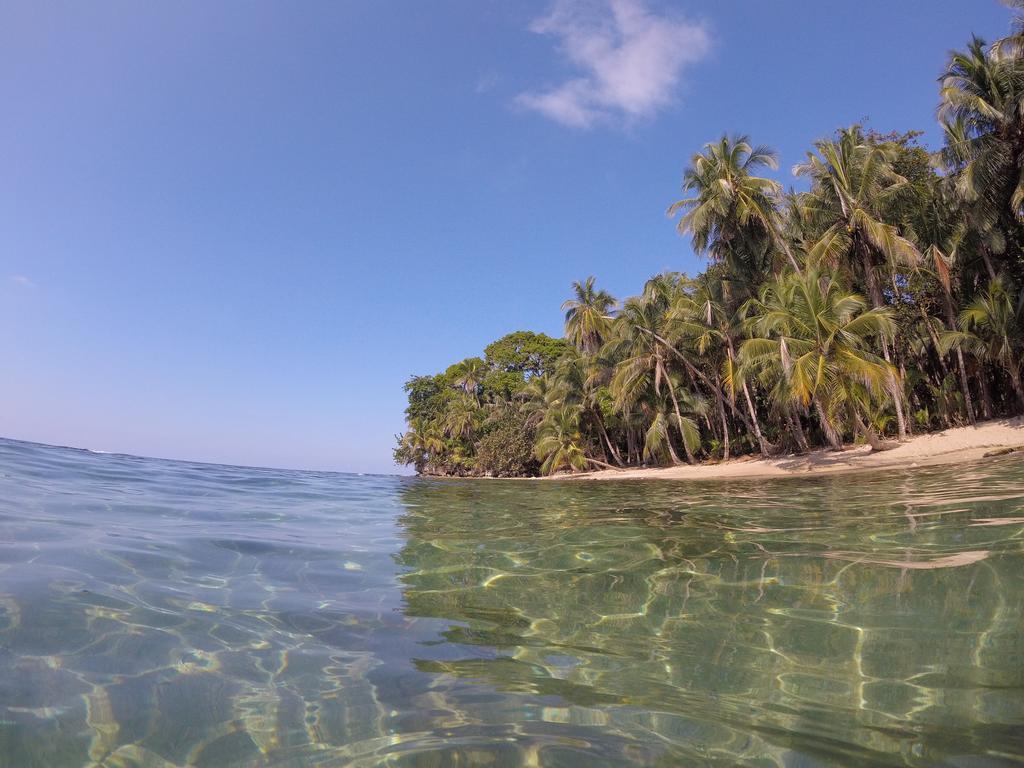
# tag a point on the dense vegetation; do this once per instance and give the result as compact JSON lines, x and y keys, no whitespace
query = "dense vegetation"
{"x":887,"y":298}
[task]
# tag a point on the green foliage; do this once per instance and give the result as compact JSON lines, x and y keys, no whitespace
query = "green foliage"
{"x":526,"y":353}
{"x":506,"y":449}
{"x":427,"y":397}
{"x":885,"y":297}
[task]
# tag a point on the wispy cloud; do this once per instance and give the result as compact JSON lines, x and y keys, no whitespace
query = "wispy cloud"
{"x":486,"y":82}
{"x":22,"y":280}
{"x":630,"y":60}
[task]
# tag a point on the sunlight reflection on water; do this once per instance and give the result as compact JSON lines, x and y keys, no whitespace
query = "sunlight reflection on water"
{"x":167,"y":614}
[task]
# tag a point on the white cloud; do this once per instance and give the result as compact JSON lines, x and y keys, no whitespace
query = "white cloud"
{"x":22,"y":280}
{"x":630,"y":60}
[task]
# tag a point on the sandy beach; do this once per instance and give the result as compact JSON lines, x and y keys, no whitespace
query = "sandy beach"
{"x":952,"y":446}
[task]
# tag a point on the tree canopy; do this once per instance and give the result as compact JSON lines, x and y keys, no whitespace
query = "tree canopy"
{"x":884,"y":297}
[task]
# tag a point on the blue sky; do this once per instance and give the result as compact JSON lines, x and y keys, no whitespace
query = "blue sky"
{"x":230,"y":231}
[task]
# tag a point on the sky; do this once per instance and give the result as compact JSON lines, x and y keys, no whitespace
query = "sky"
{"x":231,"y":231}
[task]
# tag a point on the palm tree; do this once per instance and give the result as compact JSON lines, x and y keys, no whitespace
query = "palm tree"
{"x":702,"y":320}
{"x":812,"y":342}
{"x":992,"y":328}
{"x":540,"y":395}
{"x":587,"y":316}
{"x":982,"y":108}
{"x":658,"y":441}
{"x":581,"y":377}
{"x":941,"y":230}
{"x":469,"y":375}
{"x":730,"y":212}
{"x":644,"y":354}
{"x":462,"y":417}
{"x":560,"y":444}
{"x":852,"y":183}
{"x":1012,"y":46}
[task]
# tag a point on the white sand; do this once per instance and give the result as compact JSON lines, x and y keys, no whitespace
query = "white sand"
{"x":950,"y":447}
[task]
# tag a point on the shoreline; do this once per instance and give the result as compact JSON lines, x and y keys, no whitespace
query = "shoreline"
{"x":950,"y":446}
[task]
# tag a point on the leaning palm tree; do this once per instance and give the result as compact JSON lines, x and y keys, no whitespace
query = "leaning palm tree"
{"x":657,"y":437}
{"x":702,"y":319}
{"x":560,"y":443}
{"x":852,"y":185}
{"x":730,"y":212}
{"x":580,"y":377}
{"x":992,"y":328}
{"x":587,"y":316}
{"x":812,"y":341}
{"x":645,"y":356}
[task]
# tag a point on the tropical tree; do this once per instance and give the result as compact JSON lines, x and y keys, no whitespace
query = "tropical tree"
{"x":587,"y":316}
{"x":730,"y":213}
{"x":852,"y":184}
{"x":1012,"y":46}
{"x":992,"y":328}
{"x":469,"y":375}
{"x":702,"y":320}
{"x":812,"y":342}
{"x":560,"y":443}
{"x":775,"y":335}
{"x":644,"y":355}
{"x":982,"y":102}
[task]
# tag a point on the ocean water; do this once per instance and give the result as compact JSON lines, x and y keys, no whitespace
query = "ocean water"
{"x":157,"y":613}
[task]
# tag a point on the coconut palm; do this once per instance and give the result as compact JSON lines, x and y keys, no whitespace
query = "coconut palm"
{"x":560,"y":443}
{"x":813,"y":345}
{"x":587,"y":316}
{"x":469,"y":375}
{"x":540,"y":395}
{"x":462,"y":417}
{"x":982,"y":109}
{"x":703,"y":321}
{"x":992,"y":328}
{"x":941,"y":231}
{"x":852,"y":184}
{"x":657,"y":437}
{"x":1012,"y":46}
{"x":645,"y":356}
{"x":730,"y":213}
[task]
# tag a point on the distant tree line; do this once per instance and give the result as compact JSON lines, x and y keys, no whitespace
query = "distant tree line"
{"x":886,"y":299}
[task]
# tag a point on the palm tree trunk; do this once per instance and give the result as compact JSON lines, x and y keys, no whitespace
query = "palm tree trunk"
{"x":869,"y":434}
{"x":700,"y":376}
{"x":789,"y":253}
{"x":797,"y":430}
{"x":725,"y":428}
{"x":986,"y":395}
{"x":896,"y":395}
{"x":988,"y":264}
{"x":878,"y":301}
{"x":613,"y":451}
{"x":1014,"y":370}
{"x":761,"y":442}
{"x":961,"y":365}
{"x":834,"y":440}
{"x":934,"y":337}
{"x":679,"y":424}
{"x":672,"y":451}
{"x":606,"y":466}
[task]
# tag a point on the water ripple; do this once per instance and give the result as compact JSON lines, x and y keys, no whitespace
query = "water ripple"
{"x":160,"y":613}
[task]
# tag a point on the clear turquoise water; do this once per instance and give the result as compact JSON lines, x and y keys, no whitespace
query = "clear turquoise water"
{"x":159,"y":613}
